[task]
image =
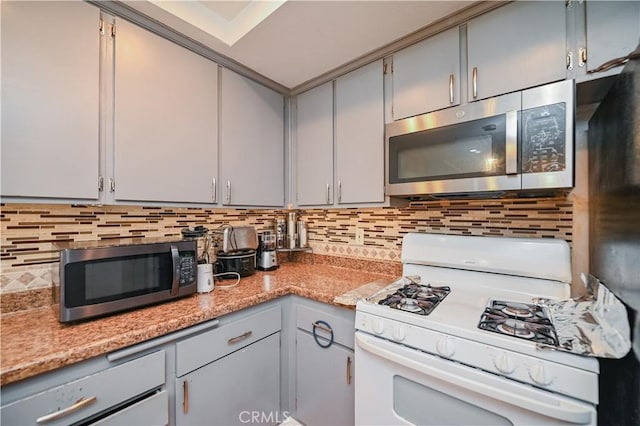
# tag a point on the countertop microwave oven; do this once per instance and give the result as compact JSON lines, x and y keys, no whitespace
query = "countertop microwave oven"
{"x":102,"y":277}
{"x":521,"y":141}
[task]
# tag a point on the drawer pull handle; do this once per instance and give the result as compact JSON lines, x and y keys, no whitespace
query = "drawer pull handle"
{"x":348,"y":370}
{"x":240,"y":337}
{"x":81,"y":403}
{"x":319,"y":324}
{"x":322,"y":325}
{"x":185,"y":398}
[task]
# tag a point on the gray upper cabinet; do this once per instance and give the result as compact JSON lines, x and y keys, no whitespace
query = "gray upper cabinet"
{"x":166,"y":120}
{"x":50,"y":101}
{"x":314,"y":146}
{"x":520,"y":45}
{"x":359,"y":102}
{"x":612,"y":30}
{"x":251,"y":143}
{"x":426,"y":76}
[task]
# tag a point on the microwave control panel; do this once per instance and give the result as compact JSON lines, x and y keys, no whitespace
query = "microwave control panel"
{"x":188,"y":267}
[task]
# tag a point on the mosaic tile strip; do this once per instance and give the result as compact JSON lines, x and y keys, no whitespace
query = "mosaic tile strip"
{"x":29,"y":231}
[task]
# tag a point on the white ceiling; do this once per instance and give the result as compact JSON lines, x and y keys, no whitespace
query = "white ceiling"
{"x":292,"y":42}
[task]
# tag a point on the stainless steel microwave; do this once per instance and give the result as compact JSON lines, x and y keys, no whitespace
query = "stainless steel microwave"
{"x":519,"y":141}
{"x":102,"y":277}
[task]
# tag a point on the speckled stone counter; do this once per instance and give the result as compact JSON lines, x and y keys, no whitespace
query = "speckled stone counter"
{"x":34,"y":342}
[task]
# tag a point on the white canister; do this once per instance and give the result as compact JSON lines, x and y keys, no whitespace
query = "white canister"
{"x":205,"y":277}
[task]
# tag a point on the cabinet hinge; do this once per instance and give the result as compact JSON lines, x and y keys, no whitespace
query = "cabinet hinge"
{"x":100,"y":184}
{"x":384,"y":69}
{"x":570,"y":60}
{"x":112,"y":185}
{"x":101,"y":27}
{"x":113,"y":30}
{"x":582,"y":57}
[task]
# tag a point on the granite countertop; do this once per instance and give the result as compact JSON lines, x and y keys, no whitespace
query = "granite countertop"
{"x":34,"y":342}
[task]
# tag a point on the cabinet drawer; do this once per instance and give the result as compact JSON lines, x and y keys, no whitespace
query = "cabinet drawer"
{"x":151,"y":411}
{"x":106,"y":388}
{"x":342,"y":323}
{"x":204,"y":348}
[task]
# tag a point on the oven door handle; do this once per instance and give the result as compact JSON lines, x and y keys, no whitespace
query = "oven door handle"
{"x":561,"y":411}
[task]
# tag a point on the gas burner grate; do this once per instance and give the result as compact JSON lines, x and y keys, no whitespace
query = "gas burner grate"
{"x":520,"y":320}
{"x":416,"y":298}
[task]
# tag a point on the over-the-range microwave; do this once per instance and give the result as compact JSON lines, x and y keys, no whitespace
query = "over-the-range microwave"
{"x":106,"y":276}
{"x":521,"y":141}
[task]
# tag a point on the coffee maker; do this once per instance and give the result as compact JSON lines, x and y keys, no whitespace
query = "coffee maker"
{"x":266,"y":259}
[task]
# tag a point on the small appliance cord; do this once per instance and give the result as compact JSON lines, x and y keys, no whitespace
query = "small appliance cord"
{"x":237,"y":275}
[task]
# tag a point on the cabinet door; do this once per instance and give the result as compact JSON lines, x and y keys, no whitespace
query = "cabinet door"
{"x":360,"y":135}
{"x":230,"y":390}
{"x":166,"y":113}
{"x":426,"y":76}
{"x":50,"y":69}
{"x":324,"y":382}
{"x":314,"y":146}
{"x":613,"y":31}
{"x":520,"y":45}
{"x":251,"y":143}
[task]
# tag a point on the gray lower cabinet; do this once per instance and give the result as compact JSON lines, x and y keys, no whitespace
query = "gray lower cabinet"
{"x":231,"y":375}
{"x":236,"y":389}
{"x":130,"y":393}
{"x":324,"y":364}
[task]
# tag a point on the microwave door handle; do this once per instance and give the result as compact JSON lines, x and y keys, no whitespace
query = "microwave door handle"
{"x":175,"y":260}
{"x":511,"y":145}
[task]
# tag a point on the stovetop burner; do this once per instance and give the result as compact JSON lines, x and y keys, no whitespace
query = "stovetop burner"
{"x":416,"y":298}
{"x":520,"y":320}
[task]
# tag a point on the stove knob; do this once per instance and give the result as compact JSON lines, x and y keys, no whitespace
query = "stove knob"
{"x":378,"y":326}
{"x":540,"y":375}
{"x":504,"y":363}
{"x":446,"y":346}
{"x":398,"y":333}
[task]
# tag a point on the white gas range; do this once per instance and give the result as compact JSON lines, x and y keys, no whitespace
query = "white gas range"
{"x":422,"y":358}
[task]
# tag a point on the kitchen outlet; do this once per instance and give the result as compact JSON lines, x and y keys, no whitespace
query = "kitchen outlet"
{"x":360,"y":236}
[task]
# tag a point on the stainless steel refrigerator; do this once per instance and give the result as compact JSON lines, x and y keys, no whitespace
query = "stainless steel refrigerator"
{"x":614,"y":232}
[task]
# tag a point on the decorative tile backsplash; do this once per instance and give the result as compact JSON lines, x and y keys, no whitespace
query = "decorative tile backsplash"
{"x":29,"y":258}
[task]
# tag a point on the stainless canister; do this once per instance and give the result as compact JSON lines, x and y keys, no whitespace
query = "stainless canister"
{"x":302,"y":233}
{"x":281,"y":232}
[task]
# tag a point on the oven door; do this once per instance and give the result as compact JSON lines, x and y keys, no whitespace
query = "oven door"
{"x":465,"y":149}
{"x":399,"y":385}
